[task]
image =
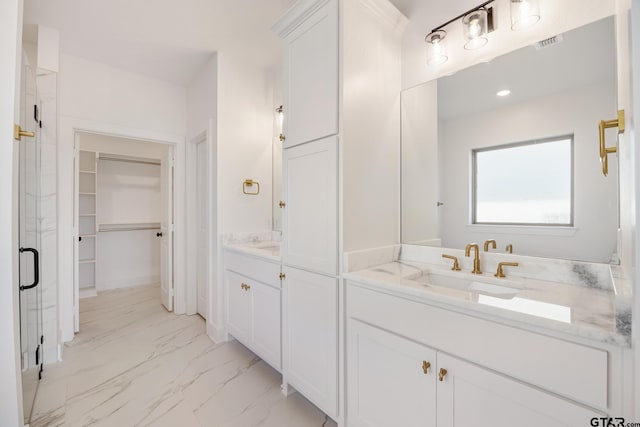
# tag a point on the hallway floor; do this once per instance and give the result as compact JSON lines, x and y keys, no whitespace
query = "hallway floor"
{"x":135,"y":364}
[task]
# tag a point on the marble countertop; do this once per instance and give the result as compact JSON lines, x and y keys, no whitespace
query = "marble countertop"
{"x":267,"y":249}
{"x":596,"y":314}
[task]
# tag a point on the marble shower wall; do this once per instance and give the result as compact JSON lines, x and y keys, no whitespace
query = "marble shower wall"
{"x":47,"y":90}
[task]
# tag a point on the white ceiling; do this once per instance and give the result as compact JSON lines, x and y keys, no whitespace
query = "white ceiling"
{"x":165,"y":39}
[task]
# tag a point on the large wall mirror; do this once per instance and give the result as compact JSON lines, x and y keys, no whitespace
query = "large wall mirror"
{"x":508,"y":150}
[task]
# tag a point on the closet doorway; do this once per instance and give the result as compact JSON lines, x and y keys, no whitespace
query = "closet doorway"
{"x":124,"y":216}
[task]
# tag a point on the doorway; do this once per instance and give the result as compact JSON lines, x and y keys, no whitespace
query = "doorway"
{"x":124,"y":217}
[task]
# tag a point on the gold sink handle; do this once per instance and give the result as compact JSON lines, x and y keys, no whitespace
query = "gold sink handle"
{"x":456,"y":264}
{"x":500,"y":273}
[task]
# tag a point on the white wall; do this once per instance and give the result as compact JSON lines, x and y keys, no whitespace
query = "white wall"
{"x":202,"y":111}
{"x":595,"y":203}
{"x":244,"y":135}
{"x":556,"y":17}
{"x":370,"y":124}
{"x":98,"y":98}
{"x":10,"y":383}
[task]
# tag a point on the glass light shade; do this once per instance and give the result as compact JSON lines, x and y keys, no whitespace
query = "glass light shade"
{"x":524,"y":13}
{"x":475,"y":29}
{"x":436,"y":49}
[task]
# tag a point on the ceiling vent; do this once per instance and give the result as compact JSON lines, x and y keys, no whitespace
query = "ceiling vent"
{"x":551,"y":41}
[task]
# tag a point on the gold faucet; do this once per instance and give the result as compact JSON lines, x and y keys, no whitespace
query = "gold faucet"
{"x":456,"y":265}
{"x":486,"y":244}
{"x":509,"y":248}
{"x":476,"y":259}
{"x":500,"y":273}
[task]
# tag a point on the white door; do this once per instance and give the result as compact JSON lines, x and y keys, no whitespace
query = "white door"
{"x":470,"y":396}
{"x":391,"y":380}
{"x":202,"y":224}
{"x":310,"y":334}
{"x":311,"y":77}
{"x":310,"y":218}
{"x":166,"y":230}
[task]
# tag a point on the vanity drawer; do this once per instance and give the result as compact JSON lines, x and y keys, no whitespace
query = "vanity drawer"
{"x":254,"y":268}
{"x":530,"y":357}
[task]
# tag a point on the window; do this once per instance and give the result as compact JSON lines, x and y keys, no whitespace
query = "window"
{"x":529,"y":183}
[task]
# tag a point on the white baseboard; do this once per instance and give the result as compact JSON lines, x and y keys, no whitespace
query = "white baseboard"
{"x":217,"y":334}
{"x":128,"y":282}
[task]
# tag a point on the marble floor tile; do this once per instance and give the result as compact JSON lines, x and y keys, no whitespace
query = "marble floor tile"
{"x":135,"y":364}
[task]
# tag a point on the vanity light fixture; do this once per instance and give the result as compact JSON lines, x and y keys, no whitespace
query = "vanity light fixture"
{"x":524,"y":13}
{"x":436,"y":49}
{"x":475,"y":29}
{"x":280,"y":111}
{"x":503,"y":92}
{"x":477,"y":23}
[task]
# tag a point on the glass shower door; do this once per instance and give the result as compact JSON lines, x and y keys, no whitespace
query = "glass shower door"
{"x":30,"y":241}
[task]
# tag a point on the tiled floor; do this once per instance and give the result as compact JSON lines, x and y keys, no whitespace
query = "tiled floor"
{"x":134,"y":364}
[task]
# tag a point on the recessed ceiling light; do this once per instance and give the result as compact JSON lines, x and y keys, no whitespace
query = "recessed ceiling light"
{"x":503,"y":92}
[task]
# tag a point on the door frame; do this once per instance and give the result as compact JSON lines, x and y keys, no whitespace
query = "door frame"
{"x":204,"y":135}
{"x":69,"y":296}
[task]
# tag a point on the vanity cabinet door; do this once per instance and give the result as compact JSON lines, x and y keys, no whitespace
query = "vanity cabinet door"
{"x":470,"y":396}
{"x":239,"y":307}
{"x":311,"y":77}
{"x":391,"y":381}
{"x":310,"y":335}
{"x":310,"y":219}
{"x":265,"y":323}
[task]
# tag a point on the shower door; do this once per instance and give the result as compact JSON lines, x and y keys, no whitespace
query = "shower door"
{"x":29,"y":234}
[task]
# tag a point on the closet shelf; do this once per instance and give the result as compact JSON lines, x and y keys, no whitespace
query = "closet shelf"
{"x":88,"y":214}
{"x":86,"y":261}
{"x":93,"y":172}
{"x":131,"y":226}
{"x":87,"y":235}
{"x":87,"y":194}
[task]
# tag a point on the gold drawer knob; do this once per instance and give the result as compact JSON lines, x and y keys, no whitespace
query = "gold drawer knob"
{"x":282,"y":276}
{"x":245,"y":286}
{"x":442,"y":374}
{"x":425,"y":367}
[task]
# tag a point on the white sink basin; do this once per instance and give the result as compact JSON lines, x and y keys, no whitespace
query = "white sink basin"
{"x":499,"y":288}
{"x":267,"y":246}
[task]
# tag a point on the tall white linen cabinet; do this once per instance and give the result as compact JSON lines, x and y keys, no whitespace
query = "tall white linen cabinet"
{"x":342,"y":82}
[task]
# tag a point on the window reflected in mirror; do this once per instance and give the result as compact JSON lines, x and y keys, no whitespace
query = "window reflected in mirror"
{"x":527,"y":183}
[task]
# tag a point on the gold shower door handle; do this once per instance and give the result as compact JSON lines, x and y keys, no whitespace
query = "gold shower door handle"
{"x":604,"y":150}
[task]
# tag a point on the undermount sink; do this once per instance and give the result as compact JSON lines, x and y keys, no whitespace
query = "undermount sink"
{"x":463,"y":282}
{"x":267,"y":246}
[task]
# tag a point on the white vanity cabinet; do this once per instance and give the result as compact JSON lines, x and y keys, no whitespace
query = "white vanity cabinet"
{"x":410,"y":363}
{"x":310,"y":334}
{"x":311,"y":73}
{"x":310,"y":219}
{"x":254,"y":305}
{"x":391,"y":380}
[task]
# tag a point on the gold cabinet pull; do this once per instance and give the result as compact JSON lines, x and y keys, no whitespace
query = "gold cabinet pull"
{"x":509,"y":248}
{"x":442,"y":374}
{"x":282,"y":276}
{"x":282,"y":137}
{"x":282,"y":204}
{"x":18,"y":133}
{"x":604,"y":150}
{"x":425,"y":367}
{"x":245,"y":286}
